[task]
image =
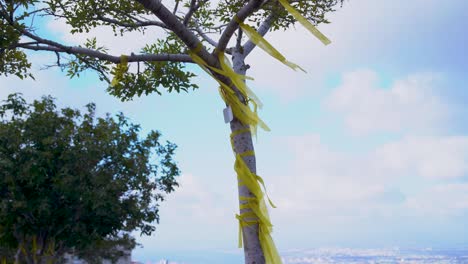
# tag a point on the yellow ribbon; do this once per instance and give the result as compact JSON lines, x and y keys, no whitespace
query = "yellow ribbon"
{"x":250,"y":153}
{"x":256,"y":204}
{"x":120,"y":70}
{"x":238,"y":132}
{"x":268,"y":246}
{"x":237,"y":79}
{"x":265,"y":45}
{"x":243,"y":223}
{"x":34,"y":248}
{"x":239,"y":109}
{"x":258,"y":211}
{"x":301,"y":19}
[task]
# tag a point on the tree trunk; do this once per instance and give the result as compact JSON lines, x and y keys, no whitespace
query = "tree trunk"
{"x":243,"y":142}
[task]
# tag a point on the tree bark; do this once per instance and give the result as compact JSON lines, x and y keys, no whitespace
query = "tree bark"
{"x":243,"y":142}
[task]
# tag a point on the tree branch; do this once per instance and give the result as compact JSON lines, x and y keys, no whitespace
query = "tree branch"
{"x":181,"y":31}
{"x":176,"y":6}
{"x":232,"y":26}
{"x":204,"y":35}
{"x":111,"y":58}
{"x":49,"y":45}
{"x":100,"y":71}
{"x":239,"y":39}
{"x":131,"y":25}
{"x":192,"y":9}
{"x":31,"y":13}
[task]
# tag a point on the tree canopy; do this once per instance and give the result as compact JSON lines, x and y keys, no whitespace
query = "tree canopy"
{"x":183,"y":24}
{"x":72,"y":182}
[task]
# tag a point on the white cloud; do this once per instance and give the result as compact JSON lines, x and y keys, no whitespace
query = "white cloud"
{"x":322,"y":181}
{"x":429,"y":157}
{"x":196,"y":198}
{"x":441,"y":200}
{"x":363,"y":32}
{"x":341,"y":187}
{"x":197,"y":211}
{"x":130,"y":42}
{"x":410,"y":104}
{"x":45,"y":84}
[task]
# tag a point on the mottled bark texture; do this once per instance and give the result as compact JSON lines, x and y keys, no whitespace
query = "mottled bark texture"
{"x":243,"y":142}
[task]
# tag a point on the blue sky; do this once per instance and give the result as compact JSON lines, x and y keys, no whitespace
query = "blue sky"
{"x":369,"y":149}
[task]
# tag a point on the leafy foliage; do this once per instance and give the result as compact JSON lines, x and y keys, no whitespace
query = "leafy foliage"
{"x":82,"y":63}
{"x":84,"y":15}
{"x":201,"y":17}
{"x":12,"y":61}
{"x":313,"y":10}
{"x":170,"y":75}
{"x":73,"y":182}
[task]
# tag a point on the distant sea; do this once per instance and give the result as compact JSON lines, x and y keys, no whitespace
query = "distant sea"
{"x":321,"y":256}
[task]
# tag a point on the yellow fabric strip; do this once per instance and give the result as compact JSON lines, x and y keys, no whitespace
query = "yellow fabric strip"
{"x":237,"y":79}
{"x":244,"y":206}
{"x":239,"y":131}
{"x":258,"y":210}
{"x":34,"y":248}
{"x":243,"y":88}
{"x":241,"y":111}
{"x":120,"y":70}
{"x":254,"y":128}
{"x":23,"y":250}
{"x":268,"y":245}
{"x":265,"y":45}
{"x":244,"y":174}
{"x":247,"y":153}
{"x":260,"y":180}
{"x":261,"y":212}
{"x":197,"y":59}
{"x":250,"y":215}
{"x":301,"y":19}
{"x":244,"y":223}
{"x":249,"y":199}
{"x":240,"y":231}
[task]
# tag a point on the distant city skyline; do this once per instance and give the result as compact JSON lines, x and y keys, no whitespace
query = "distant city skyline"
{"x":343,"y":256}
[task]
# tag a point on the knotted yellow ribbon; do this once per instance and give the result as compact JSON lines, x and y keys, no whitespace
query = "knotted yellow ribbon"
{"x":250,"y":153}
{"x":258,"y":211}
{"x":238,"y":80}
{"x":240,"y":110}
